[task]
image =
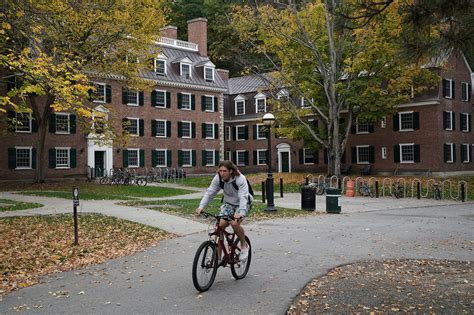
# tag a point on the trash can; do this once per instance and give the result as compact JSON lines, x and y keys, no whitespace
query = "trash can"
{"x":333,"y":200}
{"x":308,"y":198}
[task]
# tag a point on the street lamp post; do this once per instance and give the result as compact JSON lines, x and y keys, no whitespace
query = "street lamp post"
{"x":268,"y":120}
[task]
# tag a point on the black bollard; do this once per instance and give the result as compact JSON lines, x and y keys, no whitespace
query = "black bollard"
{"x":281,"y":187}
{"x":463,"y":193}
{"x":263,"y":192}
{"x":418,"y":190}
{"x":376,"y":189}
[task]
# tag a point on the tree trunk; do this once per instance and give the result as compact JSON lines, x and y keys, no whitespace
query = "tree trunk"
{"x":42,"y":119}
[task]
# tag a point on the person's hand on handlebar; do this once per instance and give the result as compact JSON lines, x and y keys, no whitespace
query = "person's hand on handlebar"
{"x":199,"y":211}
{"x":238,"y":217}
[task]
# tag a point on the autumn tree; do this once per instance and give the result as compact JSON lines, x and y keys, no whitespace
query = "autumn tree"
{"x":344,"y":74}
{"x":51,"y":49}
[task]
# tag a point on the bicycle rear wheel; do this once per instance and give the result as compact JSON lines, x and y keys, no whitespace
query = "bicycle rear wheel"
{"x":205,"y":266}
{"x":240,"y":269}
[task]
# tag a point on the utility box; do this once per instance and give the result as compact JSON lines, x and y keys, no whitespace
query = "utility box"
{"x":333,"y":200}
{"x":308,"y":198}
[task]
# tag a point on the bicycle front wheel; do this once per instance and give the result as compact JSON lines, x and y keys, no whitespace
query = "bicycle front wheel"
{"x":240,"y":269}
{"x":205,"y":266}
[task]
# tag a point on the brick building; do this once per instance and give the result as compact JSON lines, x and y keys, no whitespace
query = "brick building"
{"x":430,"y":134}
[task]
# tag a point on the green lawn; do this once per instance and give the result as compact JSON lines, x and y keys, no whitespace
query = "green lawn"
{"x":12,"y":205}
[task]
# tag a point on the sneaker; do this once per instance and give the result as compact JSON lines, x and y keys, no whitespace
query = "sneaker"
{"x":244,"y":253}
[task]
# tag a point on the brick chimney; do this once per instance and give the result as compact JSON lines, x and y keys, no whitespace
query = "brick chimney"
{"x":197,"y":33}
{"x":224,"y":74}
{"x":169,"y":31}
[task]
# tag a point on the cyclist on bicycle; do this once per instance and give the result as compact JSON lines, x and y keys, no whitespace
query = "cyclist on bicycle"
{"x":236,"y":200}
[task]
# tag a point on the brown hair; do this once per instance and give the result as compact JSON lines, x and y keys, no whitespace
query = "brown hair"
{"x":230,"y":166}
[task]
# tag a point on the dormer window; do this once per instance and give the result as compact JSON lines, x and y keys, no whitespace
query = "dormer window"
{"x":209,"y":74}
{"x":160,"y":66}
{"x":260,"y":103}
{"x":185,"y":70}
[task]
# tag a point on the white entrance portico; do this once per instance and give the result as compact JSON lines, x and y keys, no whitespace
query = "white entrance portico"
{"x":284,"y":158}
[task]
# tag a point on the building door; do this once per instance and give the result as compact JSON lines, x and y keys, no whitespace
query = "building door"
{"x":285,"y":162}
{"x":99,"y":163}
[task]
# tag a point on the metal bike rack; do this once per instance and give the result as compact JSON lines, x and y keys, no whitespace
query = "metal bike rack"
{"x":404,"y":185}
{"x":356,"y":186}
{"x":319,"y":179}
{"x":334,"y":177}
{"x":345,"y":179}
{"x":459,"y":189}
{"x":431,"y":180}
{"x":387,"y":179}
{"x":413,"y":182}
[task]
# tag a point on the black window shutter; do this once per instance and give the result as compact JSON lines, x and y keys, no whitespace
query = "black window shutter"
{"x":153,"y":128}
{"x":463,"y":90}
{"x":255,"y":131}
{"x":445,"y":87}
{"x":371,"y":154}
{"x":469,"y":122}
{"x":445,"y":120}
{"x":73,"y":158}
{"x":168,"y":158}
{"x":203,"y":103}
{"x":11,"y":158}
{"x":193,"y":102}
{"x":203,"y":130}
{"x":168,"y":100}
{"x":141,"y":124}
{"x":124,"y":95}
{"x":33,"y":158}
{"x":72,"y":123}
{"x":34,"y":125}
{"x":246,"y":135}
{"x":216,"y":131}
{"x":180,"y":158}
{"x":301,"y":156}
{"x":470,"y":151}
{"x":234,"y":133}
{"x":216,"y":104}
{"x":453,"y":89}
{"x":463,"y":153}
{"x":354,"y":155}
{"x":180,"y":100}
{"x":396,"y":153}
{"x":255,"y":157}
{"x":124,"y":124}
{"x":216,"y":157}
{"x":168,"y":129}
{"x":52,"y":123}
{"x":416,"y":120}
{"x":371,"y":128}
{"x":52,"y":158}
{"x":234,"y":157}
{"x":153,"y":158}
{"x":396,"y":122}
{"x":193,"y":154}
{"x":108,"y":94}
{"x":193,"y":130}
{"x":353,"y":129}
{"x":462,"y":121}
{"x":204,"y":157}
{"x":453,"y":120}
{"x":416,"y":152}
{"x":447,"y":152}
{"x":180,"y":132}
{"x":142,"y":158}
{"x":246,"y":158}
{"x":469,"y":92}
{"x":454,"y":153}
{"x":125,"y":157}
{"x":141,"y":98}
{"x":153,"y":98}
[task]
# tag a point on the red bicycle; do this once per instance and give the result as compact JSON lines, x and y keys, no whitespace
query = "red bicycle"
{"x":206,"y":263}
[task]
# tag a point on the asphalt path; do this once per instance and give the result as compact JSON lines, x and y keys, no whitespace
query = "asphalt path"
{"x":287,"y":253}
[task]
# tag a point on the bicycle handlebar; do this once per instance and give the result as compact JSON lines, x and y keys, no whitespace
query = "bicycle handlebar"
{"x":217,"y":217}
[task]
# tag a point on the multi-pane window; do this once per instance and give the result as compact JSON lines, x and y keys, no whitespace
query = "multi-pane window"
{"x":240,"y":107}
{"x":132,"y":98}
{"x":384,"y":153}
{"x":133,"y":126}
{"x":186,"y":155}
{"x":185,"y":101}
{"x":62,"y":123}
{"x":448,"y":120}
{"x":261,"y":157}
{"x":241,"y":133}
{"x":209,"y":131}
{"x":160,"y":66}
{"x":227,"y":132}
{"x":261,"y":131}
{"x":160,"y":128}
{"x":62,"y":157}
{"x":133,"y":157}
{"x":228,"y":155}
{"x":465,"y":92}
{"x":407,"y":153}
{"x":210,"y":157}
{"x":208,"y":103}
{"x":23,"y":122}
{"x":186,"y":129}
{"x":160,"y":98}
{"x":406,"y":121}
{"x":308,"y":156}
{"x":448,"y":88}
{"x":185,"y":70}
{"x":363,"y":154}
{"x":305,"y":103}
{"x":208,"y":74}
{"x":465,"y":153}
{"x":465,"y":120}
{"x":241,"y":157}
{"x":161,"y":157}
{"x":99,"y":94}
{"x":261,"y":105}
{"x":23,"y":158}
{"x":362,"y":127}
{"x":449,"y":152}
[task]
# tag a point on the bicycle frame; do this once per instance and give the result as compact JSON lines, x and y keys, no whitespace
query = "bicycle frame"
{"x":220,"y":234}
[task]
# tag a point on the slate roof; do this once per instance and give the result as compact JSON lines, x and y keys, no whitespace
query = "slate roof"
{"x":249,"y":83}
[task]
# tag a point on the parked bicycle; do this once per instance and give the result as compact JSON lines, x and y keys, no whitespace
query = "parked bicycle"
{"x":322,"y":187}
{"x":205,"y":262}
{"x":436,"y":192}
{"x":365,"y":190}
{"x":397,"y":190}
